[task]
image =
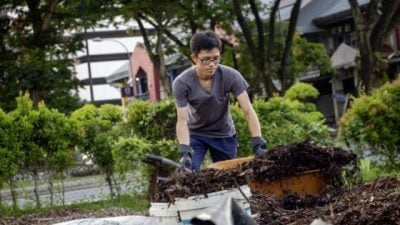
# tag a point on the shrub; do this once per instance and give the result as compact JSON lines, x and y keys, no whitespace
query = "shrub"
{"x":301,"y":91}
{"x":99,"y":129}
{"x":284,"y":120}
{"x":130,"y":153}
{"x":152,"y":121}
{"x":372,"y":125}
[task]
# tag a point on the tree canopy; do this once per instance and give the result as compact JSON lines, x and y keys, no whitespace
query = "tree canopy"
{"x":40,"y":37}
{"x":35,"y":50}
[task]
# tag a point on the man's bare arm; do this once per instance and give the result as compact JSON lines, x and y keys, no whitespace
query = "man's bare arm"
{"x":182,"y":130}
{"x":251,"y":116}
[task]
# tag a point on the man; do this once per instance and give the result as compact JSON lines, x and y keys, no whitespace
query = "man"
{"x":202,"y":102}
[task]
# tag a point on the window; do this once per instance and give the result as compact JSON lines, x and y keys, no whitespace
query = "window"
{"x":347,"y":27}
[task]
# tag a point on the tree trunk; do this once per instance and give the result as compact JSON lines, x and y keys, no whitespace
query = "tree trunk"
{"x":270,"y":87}
{"x":160,"y":63}
{"x":373,"y":25}
{"x":51,"y":187}
{"x":152,"y":189}
{"x":110,"y":185}
{"x":62,"y":190}
{"x":256,"y":55}
{"x":14,"y":194}
{"x":116,"y":185}
{"x":36,"y":188}
{"x":285,"y":82}
{"x":366,"y":73}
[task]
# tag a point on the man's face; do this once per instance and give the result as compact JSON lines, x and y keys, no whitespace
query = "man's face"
{"x":207,"y":62}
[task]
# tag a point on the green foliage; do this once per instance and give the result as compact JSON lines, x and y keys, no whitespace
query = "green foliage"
{"x":36,"y":139}
{"x":136,"y":117}
{"x":25,"y":118}
{"x":55,"y":135}
{"x":372,"y":123}
{"x":10,"y":148}
{"x":99,"y":129}
{"x":367,"y":171}
{"x":150,"y":172}
{"x":286,"y":121}
{"x":309,"y":56}
{"x":283,"y":120}
{"x":242,"y":131}
{"x":35,"y":56}
{"x":128,"y":153}
{"x":153,"y":125}
{"x":110,"y":113}
{"x":37,"y":61}
{"x":302,"y":96}
{"x":301,"y":91}
{"x":152,"y":121}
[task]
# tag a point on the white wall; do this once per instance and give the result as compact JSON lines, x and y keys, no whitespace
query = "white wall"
{"x":103,"y":69}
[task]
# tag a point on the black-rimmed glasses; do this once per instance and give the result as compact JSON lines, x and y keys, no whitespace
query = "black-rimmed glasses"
{"x":208,"y":60}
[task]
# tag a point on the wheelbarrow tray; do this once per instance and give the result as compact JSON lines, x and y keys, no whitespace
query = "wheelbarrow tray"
{"x":303,"y":183}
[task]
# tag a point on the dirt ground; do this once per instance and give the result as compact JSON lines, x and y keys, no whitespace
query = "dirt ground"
{"x":374,"y":203}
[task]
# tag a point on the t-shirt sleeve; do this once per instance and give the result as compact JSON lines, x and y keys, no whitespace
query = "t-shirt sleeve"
{"x":180,"y":93}
{"x":239,"y":84}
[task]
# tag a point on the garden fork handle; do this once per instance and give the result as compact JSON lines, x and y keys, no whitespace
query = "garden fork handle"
{"x":166,"y":161}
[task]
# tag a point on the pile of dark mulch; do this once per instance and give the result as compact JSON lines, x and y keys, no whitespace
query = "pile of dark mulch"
{"x":61,"y":215}
{"x":279,"y":162}
{"x":377,"y":202}
{"x":183,"y":184}
{"x":287,"y":160}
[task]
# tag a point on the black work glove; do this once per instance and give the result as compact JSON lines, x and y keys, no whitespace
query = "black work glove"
{"x":186,"y":156}
{"x":259,"y":146}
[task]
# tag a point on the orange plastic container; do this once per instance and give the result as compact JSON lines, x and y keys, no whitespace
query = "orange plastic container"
{"x":305,"y":183}
{"x":230,"y":164}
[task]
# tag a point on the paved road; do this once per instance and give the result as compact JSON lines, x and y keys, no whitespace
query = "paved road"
{"x":89,"y":189}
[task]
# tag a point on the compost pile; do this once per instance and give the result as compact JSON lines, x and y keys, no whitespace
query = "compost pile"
{"x":183,"y":185}
{"x":287,"y":160}
{"x":377,"y":202}
{"x":279,"y":162}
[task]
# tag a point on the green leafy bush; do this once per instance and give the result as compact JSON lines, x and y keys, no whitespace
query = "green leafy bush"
{"x":130,"y":154}
{"x":99,"y":129}
{"x":152,"y":121}
{"x":368,"y":172}
{"x":36,"y":139}
{"x":301,"y":91}
{"x":372,"y":125}
{"x":10,"y":149}
{"x":284,"y":120}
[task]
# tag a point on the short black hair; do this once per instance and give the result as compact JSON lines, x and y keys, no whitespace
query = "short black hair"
{"x":205,"y":40}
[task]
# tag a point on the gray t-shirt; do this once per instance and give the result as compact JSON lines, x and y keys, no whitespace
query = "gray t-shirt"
{"x":208,"y":113}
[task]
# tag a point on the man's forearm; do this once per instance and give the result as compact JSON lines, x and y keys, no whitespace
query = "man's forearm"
{"x":251,"y":117}
{"x":253,"y":123}
{"x":182,"y":133}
